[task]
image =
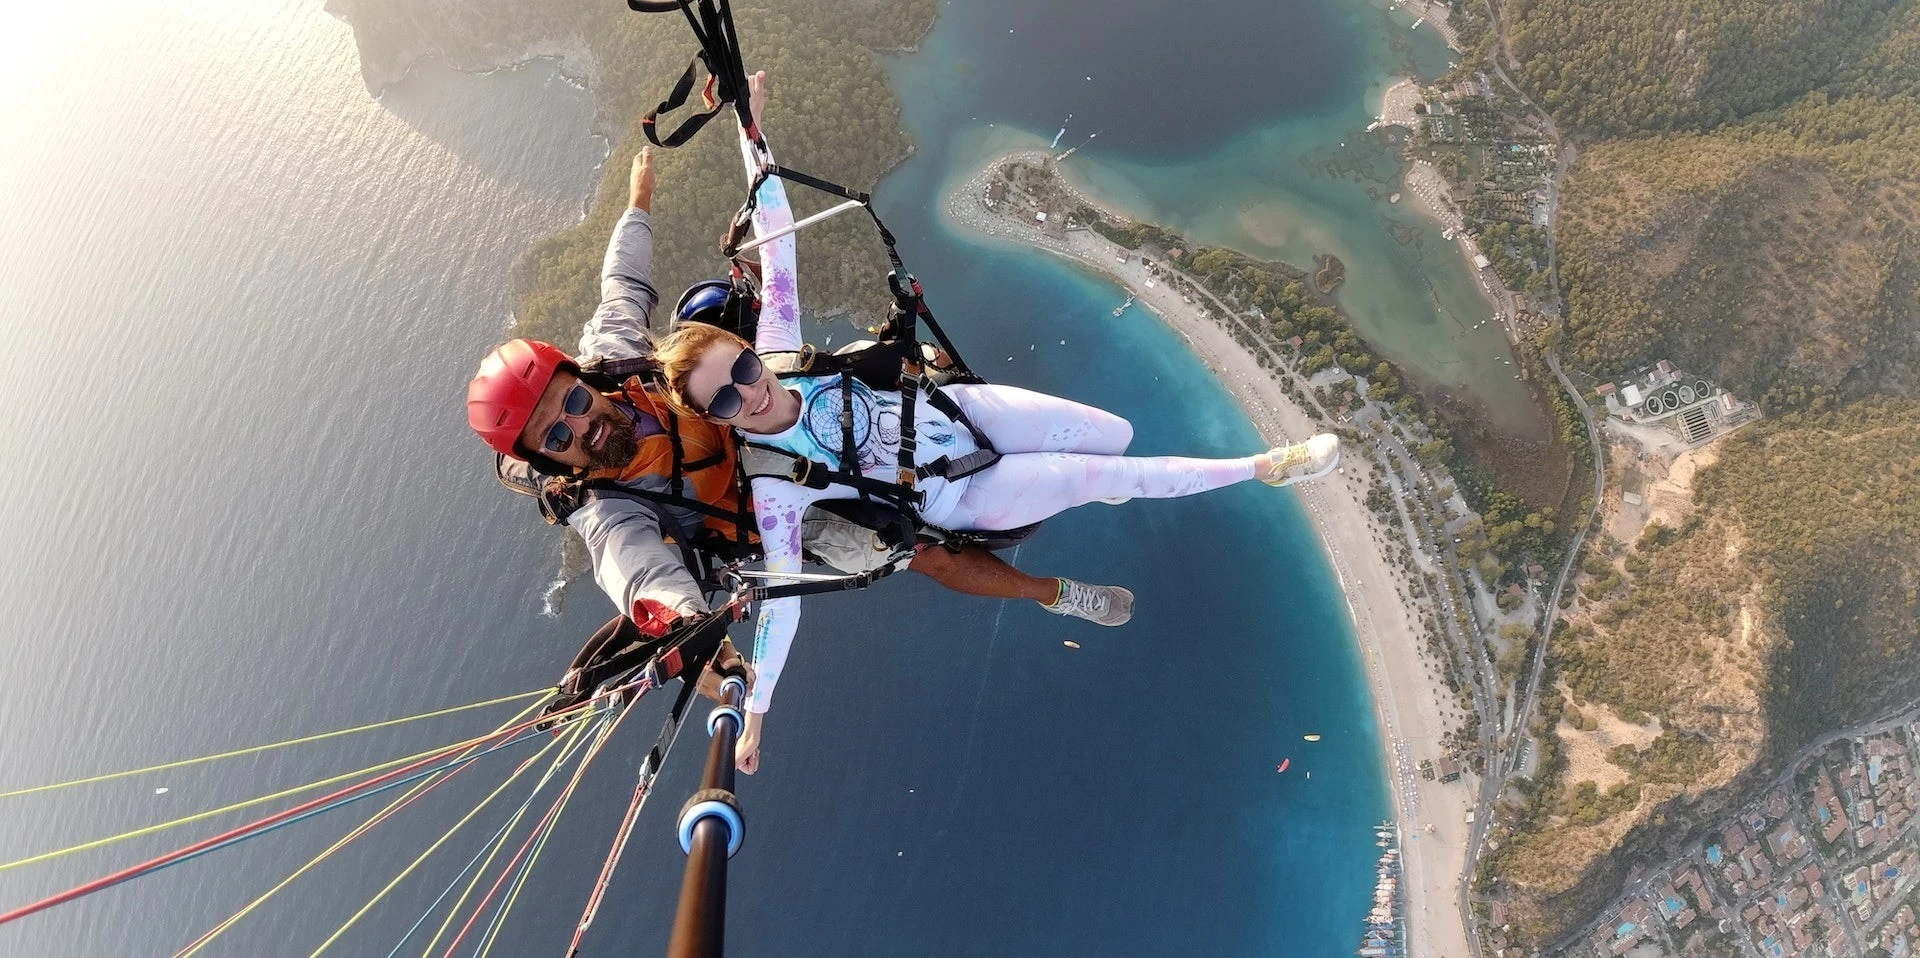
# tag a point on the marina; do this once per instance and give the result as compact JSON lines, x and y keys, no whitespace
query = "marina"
{"x":1386,"y":934}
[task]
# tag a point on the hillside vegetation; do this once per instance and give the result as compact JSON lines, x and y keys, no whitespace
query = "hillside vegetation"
{"x":1784,"y":607}
{"x":1746,"y":203}
{"x":831,"y":112}
{"x":1750,"y":208}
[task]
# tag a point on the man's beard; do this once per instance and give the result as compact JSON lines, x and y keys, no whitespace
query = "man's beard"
{"x":620,"y":448}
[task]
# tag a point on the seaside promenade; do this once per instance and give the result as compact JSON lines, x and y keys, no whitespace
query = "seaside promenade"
{"x":1412,"y":703}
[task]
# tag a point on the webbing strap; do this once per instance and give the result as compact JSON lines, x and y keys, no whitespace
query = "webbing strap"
{"x":676,"y":98}
{"x":814,"y":474}
{"x":608,"y":487}
{"x":684,"y":652}
{"x":949,"y":468}
{"x":726,"y":75}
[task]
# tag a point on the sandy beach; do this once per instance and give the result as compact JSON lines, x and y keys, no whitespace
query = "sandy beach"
{"x":1411,"y":704}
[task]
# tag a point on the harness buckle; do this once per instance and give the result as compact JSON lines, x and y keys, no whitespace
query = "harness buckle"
{"x":808,"y":354}
{"x":805,"y":472}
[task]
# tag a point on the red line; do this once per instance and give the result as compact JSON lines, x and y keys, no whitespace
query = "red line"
{"x":355,"y":834}
{"x":174,"y":856}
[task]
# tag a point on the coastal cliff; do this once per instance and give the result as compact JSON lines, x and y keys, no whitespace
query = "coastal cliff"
{"x":391,"y":35}
{"x":831,"y":111}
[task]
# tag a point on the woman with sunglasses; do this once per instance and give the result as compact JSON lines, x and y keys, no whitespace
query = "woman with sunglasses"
{"x":1055,"y":453}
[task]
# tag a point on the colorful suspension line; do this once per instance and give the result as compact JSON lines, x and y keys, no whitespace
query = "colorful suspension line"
{"x":513,"y":894}
{"x":498,"y":838}
{"x":256,"y":749}
{"x":419,"y":790}
{"x":570,"y":741}
{"x":539,"y":829}
{"x":649,"y":769}
{"x":248,"y":803}
{"x":328,"y":802}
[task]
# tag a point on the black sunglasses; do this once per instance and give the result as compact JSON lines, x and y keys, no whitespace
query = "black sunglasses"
{"x":726,"y":401}
{"x":560,"y":436}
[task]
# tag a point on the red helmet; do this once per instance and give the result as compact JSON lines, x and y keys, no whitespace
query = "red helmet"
{"x":501,"y":397}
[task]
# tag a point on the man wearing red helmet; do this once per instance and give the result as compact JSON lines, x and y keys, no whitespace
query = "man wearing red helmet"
{"x":533,"y":402}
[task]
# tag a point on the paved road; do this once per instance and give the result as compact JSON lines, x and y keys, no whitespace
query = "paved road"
{"x":1499,"y":766}
{"x":1566,"y":568}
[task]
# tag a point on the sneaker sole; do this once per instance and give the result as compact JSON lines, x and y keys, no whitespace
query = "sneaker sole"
{"x":1325,"y":471}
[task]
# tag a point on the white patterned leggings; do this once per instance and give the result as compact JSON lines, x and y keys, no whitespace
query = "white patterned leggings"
{"x":1056,"y":454}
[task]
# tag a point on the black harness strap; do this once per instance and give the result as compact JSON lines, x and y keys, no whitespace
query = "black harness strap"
{"x":726,"y":74}
{"x":677,"y":98}
{"x":950,"y":469}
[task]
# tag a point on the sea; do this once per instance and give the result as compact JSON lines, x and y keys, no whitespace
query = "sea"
{"x":239,"y":300}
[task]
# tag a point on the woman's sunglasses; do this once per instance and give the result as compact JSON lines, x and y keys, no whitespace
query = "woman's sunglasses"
{"x":560,"y":436}
{"x":726,"y":401}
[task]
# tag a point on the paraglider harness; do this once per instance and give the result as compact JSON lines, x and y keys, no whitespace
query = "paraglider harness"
{"x":898,"y":360}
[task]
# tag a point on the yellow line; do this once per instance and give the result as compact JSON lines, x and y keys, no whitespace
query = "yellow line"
{"x":570,"y":740}
{"x":249,"y":803}
{"x":362,"y":829}
{"x":565,"y":797}
{"x":499,"y":843}
{"x":110,"y":776}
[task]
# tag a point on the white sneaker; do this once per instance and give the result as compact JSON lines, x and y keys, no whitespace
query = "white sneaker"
{"x":1301,"y":461}
{"x":1098,"y":604}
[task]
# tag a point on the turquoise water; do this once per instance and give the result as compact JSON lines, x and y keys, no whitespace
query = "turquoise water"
{"x":241,"y":302}
{"x":1238,"y":124}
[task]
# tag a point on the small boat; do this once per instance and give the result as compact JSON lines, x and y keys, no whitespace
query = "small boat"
{"x":1314,"y":737}
{"x":1283,"y":764}
{"x":1416,"y":24}
{"x":1071,"y":644}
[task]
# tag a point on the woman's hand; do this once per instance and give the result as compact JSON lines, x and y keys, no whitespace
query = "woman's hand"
{"x":746,"y":752}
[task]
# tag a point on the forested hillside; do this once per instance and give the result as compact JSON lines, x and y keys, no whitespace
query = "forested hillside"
{"x":1785,"y":606}
{"x":1746,"y":202}
{"x":831,"y":112}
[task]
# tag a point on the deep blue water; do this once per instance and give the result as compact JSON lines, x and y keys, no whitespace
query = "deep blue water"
{"x":241,"y":301}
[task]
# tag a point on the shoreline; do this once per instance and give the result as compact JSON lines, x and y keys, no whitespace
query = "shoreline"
{"x":1409,"y":705}
{"x":1435,"y":198}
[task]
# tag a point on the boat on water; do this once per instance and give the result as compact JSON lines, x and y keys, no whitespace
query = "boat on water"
{"x":1283,"y":764}
{"x":1312,"y":737}
{"x":1386,"y":933}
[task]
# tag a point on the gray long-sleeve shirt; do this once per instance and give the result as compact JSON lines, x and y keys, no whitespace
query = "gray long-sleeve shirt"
{"x":631,"y":560}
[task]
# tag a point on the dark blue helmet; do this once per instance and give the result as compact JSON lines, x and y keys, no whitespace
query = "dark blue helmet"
{"x":728,"y":304}
{"x":703,"y":302}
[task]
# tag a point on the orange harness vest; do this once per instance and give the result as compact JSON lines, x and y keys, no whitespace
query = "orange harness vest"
{"x":708,"y":463}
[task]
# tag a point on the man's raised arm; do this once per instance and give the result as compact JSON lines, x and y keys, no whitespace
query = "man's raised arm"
{"x":619,"y":327}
